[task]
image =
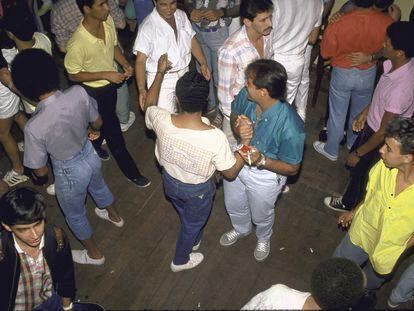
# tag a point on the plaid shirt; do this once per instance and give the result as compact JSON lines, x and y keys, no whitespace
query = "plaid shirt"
{"x":233,"y":58}
{"x":66,"y":17}
{"x":35,"y":280}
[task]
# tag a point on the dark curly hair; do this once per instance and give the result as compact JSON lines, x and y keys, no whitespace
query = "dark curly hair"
{"x":402,"y":130}
{"x":192,"y":92}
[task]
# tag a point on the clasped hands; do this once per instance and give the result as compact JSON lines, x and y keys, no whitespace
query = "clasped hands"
{"x":197,"y":15}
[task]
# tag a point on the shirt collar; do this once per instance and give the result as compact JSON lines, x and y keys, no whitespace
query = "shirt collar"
{"x":92,"y":39}
{"x":400,"y":72}
{"x":19,"y":249}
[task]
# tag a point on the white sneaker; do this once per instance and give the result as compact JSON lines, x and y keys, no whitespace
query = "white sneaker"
{"x":103,"y":213}
{"x":285,"y":189}
{"x":197,"y":246}
{"x":13,"y":178}
{"x":131,"y":120}
{"x":320,"y":147}
{"x":194,"y":261}
{"x":51,"y":189}
{"x":262,"y":250}
{"x":81,"y":257}
{"x":230,"y":237}
{"x":20,"y":146}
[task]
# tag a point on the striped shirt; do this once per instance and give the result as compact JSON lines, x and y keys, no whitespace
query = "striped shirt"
{"x":234,"y":56}
{"x":35,"y":280}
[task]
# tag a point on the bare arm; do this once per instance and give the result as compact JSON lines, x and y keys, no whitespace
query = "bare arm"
{"x":313,"y":37}
{"x":199,"y":56}
{"x":281,"y":167}
{"x":140,"y":77}
{"x":232,"y":172}
{"x":120,"y":58}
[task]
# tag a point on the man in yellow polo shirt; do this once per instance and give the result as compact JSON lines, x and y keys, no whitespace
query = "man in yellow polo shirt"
{"x":383,"y":224}
{"x":90,"y":59}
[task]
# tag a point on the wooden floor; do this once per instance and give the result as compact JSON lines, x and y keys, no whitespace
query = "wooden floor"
{"x":136,"y":274}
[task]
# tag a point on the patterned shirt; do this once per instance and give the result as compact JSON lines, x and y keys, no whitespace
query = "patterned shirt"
{"x":35,"y":280}
{"x":215,"y":5}
{"x":234,"y":56}
{"x":66,"y":17}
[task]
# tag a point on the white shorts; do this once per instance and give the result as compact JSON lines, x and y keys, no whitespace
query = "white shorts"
{"x":9,"y":103}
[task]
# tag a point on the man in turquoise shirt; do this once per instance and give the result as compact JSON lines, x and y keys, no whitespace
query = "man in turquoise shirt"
{"x":277,"y":138}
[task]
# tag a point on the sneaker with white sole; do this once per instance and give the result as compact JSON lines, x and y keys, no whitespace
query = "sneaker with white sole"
{"x":103,"y":213}
{"x":51,"y":189}
{"x":13,"y":178}
{"x":81,"y":257}
{"x":197,"y":246}
{"x":230,"y":237}
{"x":194,"y":261}
{"x":285,"y":189}
{"x":335,"y":203}
{"x":131,"y":120}
{"x":391,"y":304}
{"x":320,"y":148}
{"x":262,"y":250}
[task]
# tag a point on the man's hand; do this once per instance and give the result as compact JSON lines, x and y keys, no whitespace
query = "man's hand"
{"x":213,"y":15}
{"x":205,"y":72}
{"x":251,"y":157}
{"x":196,"y":15}
{"x":93,"y":134}
{"x":345,"y":219}
{"x":141,"y":98}
{"x":164,"y":64}
{"x":335,"y":17}
{"x":243,"y":128}
{"x":352,"y":159}
{"x":128,"y":70}
{"x":114,"y":77}
{"x":359,"y":122}
{"x":358,"y":58}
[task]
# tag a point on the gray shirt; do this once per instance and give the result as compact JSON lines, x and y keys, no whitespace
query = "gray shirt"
{"x":59,"y":126}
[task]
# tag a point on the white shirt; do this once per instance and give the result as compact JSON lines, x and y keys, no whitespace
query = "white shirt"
{"x":42,"y":42}
{"x":156,"y":37}
{"x":293,"y":21}
{"x":191,"y":156}
{"x":278,"y":297}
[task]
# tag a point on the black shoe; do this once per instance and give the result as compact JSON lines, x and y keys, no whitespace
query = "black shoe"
{"x":103,"y":154}
{"x":336,"y":204}
{"x":141,"y":181}
{"x":323,"y":136}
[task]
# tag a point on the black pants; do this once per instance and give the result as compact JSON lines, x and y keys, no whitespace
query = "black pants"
{"x":106,"y":97}
{"x":355,"y":191}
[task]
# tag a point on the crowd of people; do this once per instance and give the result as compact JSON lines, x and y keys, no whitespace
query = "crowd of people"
{"x":253,"y":84}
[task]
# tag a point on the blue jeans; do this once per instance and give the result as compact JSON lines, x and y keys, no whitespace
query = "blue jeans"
{"x":347,"y":85}
{"x":193,"y":204}
{"x":404,"y":290}
{"x":142,"y":9}
{"x":122,"y":103}
{"x":210,"y":42}
{"x":74,"y":178}
{"x":346,"y":249}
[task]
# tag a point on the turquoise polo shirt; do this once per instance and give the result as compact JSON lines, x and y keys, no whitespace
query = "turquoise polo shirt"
{"x":278,"y":134}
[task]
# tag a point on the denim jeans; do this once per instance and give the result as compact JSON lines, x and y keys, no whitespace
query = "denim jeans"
{"x":193,"y":204}
{"x":404,"y":290}
{"x":142,"y":9}
{"x":210,"y":42}
{"x":122,"y":103}
{"x":347,"y":249}
{"x":74,"y":178}
{"x":347,"y":85}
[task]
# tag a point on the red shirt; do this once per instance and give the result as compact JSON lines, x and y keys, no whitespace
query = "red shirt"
{"x":356,"y":31}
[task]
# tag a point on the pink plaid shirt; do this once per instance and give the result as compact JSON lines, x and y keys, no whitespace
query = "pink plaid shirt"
{"x":234,"y":56}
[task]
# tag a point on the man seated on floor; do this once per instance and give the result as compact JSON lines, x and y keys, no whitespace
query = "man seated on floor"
{"x":393,"y":97}
{"x":277,"y":139}
{"x":60,"y":128}
{"x":382,"y":224}
{"x":336,"y":283}
{"x":36,"y":264}
{"x":190,"y":150}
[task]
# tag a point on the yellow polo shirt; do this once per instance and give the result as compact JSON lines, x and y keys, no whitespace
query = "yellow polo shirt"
{"x":88,"y":53}
{"x":384,"y":222}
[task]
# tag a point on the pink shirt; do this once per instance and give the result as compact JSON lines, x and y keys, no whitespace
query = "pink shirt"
{"x":394,"y":93}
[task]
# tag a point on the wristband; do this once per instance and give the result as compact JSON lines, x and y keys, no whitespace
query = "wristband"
{"x":70,"y":307}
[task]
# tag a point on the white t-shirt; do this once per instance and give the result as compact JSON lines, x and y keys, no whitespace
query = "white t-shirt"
{"x":42,"y":42}
{"x":293,"y":21}
{"x":191,"y":156}
{"x":278,"y":297}
{"x":156,"y":37}
{"x":9,"y":101}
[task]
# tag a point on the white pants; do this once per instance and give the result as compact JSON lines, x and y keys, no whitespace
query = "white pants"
{"x":301,"y":100}
{"x":229,"y":133}
{"x":166,"y":99}
{"x":294,"y":68}
{"x":250,"y":198}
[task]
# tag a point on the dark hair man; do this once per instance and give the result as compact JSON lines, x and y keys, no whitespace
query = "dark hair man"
{"x":190,"y":150}
{"x":36,"y":264}
{"x":336,"y":284}
{"x":60,"y":128}
{"x":276,"y":133}
{"x":393,"y":97}
{"x":381,"y":228}
{"x":90,"y":59}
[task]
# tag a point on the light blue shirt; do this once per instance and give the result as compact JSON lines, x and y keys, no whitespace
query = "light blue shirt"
{"x":278,"y":134}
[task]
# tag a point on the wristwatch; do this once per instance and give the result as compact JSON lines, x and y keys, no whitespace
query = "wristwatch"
{"x":262,"y":162}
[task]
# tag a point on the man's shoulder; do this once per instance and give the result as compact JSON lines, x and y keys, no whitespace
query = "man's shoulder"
{"x":233,"y":42}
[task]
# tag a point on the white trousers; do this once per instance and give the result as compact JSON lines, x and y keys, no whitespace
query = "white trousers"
{"x":250,"y":198}
{"x":301,"y":100}
{"x":166,"y":99}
